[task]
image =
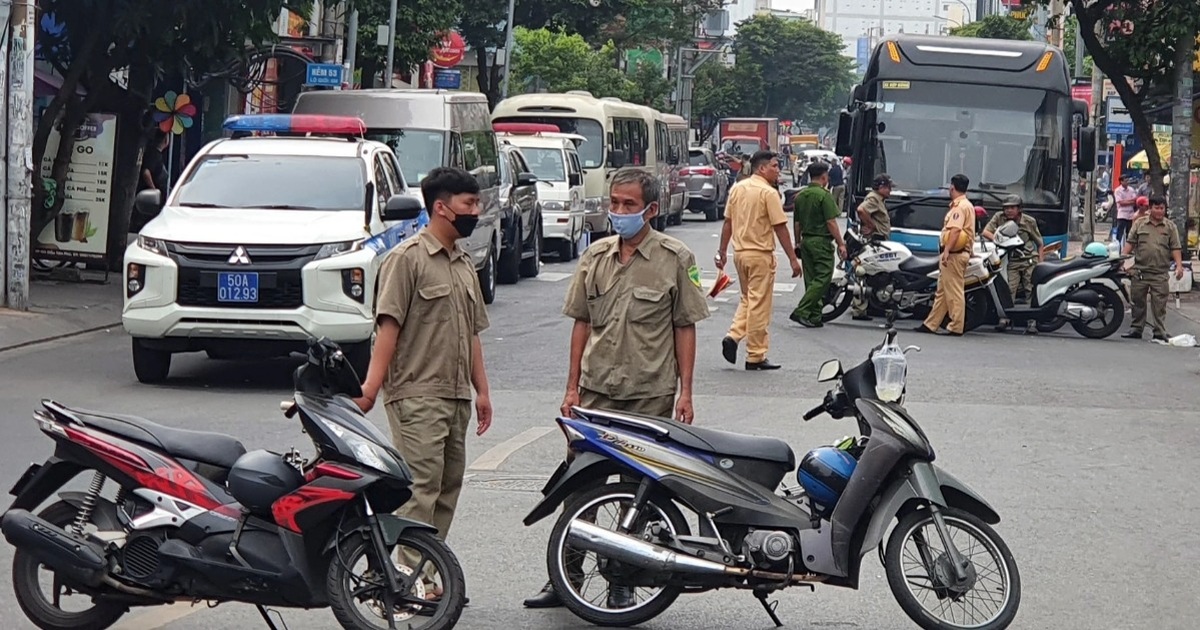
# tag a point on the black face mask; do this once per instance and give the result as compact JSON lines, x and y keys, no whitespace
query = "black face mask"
{"x":465,"y":224}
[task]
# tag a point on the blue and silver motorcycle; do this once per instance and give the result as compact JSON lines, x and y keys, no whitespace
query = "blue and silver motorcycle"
{"x":623,"y":550}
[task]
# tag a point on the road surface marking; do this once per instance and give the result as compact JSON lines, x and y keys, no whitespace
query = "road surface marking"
{"x":495,"y":456}
{"x":158,"y":617}
{"x":552,"y":276}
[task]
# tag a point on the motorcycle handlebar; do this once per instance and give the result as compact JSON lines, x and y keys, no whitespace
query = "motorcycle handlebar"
{"x":814,"y":412}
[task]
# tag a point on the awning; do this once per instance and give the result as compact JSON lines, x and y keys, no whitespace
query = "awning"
{"x":1141,"y":162}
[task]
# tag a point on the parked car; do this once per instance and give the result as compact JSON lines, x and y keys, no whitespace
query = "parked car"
{"x":521,"y":252}
{"x":707,"y":181}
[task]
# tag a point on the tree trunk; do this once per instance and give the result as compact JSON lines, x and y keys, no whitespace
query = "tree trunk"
{"x":486,"y":81}
{"x":132,"y":133}
{"x":1181,"y":136}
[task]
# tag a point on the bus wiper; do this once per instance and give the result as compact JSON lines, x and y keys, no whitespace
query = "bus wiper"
{"x":915,"y":200}
{"x":991,"y":195}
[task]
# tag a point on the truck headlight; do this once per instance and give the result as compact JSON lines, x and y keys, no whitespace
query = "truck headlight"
{"x":329,"y":250}
{"x":553,"y":206}
{"x":152,"y":245}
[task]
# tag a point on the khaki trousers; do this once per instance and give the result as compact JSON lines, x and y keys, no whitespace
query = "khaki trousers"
{"x":661,"y":406}
{"x":950,"y":299}
{"x":1156,"y":284}
{"x":756,"y":274}
{"x":431,"y":434}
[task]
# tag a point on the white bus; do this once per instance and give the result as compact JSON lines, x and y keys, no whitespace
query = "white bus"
{"x":618,"y":134}
{"x":673,"y":137}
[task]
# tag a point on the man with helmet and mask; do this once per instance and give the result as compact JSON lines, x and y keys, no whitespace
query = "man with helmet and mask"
{"x":635,"y":299}
{"x":427,"y":354}
{"x":1020,"y":262}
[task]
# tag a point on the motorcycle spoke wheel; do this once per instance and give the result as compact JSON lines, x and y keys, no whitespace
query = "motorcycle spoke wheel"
{"x":920,"y":573}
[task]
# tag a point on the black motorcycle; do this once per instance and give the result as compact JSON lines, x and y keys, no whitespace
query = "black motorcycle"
{"x":196,"y":517}
{"x":621,"y":553}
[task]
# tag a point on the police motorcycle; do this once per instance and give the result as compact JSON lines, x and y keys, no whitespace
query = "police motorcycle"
{"x":194,"y":516}
{"x":621,"y":553}
{"x":897,"y":283}
{"x":1085,"y":292}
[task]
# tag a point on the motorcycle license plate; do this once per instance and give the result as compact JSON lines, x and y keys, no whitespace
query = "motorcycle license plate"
{"x":237,"y":287}
{"x":19,"y":487}
{"x":558,"y":474}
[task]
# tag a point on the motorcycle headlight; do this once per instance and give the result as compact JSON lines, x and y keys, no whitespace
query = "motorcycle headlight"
{"x":152,"y":245}
{"x":366,"y":452}
{"x":553,"y":206}
{"x":329,"y":250}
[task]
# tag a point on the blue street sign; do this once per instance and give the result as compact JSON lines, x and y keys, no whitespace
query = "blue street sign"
{"x":1118,"y":122}
{"x":323,"y":74}
{"x":447,"y":79}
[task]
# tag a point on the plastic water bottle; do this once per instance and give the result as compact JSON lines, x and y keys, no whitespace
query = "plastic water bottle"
{"x":890,"y":370}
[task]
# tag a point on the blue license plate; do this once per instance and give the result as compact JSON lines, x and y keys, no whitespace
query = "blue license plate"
{"x":237,"y":287}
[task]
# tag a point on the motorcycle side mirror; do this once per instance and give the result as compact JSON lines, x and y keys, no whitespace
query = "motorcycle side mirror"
{"x":912,"y":349}
{"x":830,"y":370}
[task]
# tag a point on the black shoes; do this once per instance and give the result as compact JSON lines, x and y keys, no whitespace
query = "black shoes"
{"x":620,"y":597}
{"x":729,"y":349}
{"x":804,"y":322}
{"x":763,"y":365}
{"x":546,"y":598}
{"x":1132,"y":334}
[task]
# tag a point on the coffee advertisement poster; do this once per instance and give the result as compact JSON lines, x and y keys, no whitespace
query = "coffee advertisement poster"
{"x":80,"y":230}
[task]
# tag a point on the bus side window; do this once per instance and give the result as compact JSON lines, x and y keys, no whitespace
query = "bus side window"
{"x":456,"y":150}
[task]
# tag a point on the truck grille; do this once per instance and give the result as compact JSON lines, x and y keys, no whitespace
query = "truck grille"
{"x":280,"y":285}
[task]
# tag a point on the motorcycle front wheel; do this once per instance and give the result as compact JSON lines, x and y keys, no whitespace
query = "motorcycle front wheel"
{"x":837,"y":300}
{"x":582,"y":578}
{"x":920,"y":573}
{"x":358,"y":592}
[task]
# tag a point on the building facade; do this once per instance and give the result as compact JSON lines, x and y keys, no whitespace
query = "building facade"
{"x":862,"y":23}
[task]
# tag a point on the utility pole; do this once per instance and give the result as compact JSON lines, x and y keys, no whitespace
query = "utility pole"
{"x":20,"y":147}
{"x":1181,"y":134}
{"x":391,"y":44}
{"x":1078,"y":49}
{"x":508,"y":48}
{"x":5,"y":271}
{"x":351,"y":45}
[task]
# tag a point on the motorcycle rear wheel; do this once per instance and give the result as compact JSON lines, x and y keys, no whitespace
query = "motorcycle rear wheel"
{"x":1111,"y":301}
{"x":588,"y":503}
{"x":45,"y":614}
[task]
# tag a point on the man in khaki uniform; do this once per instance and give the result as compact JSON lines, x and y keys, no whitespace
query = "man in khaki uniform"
{"x":958,"y":233}
{"x":875,"y":223}
{"x":635,"y":298}
{"x":427,"y":353}
{"x":754,"y":220}
{"x":1022,"y":261}
{"x":1154,"y":243}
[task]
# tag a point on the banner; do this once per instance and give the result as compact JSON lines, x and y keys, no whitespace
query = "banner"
{"x":80,"y":230}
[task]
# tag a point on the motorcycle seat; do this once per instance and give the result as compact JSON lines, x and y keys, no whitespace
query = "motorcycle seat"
{"x":705,"y":440}
{"x":216,"y":449}
{"x":921,"y":265}
{"x":1043,"y":271}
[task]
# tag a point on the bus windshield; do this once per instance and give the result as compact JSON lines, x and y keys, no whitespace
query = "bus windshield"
{"x":1007,"y":140}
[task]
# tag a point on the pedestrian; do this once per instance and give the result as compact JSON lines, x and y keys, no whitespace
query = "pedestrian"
{"x":837,"y":184}
{"x":958,"y":231}
{"x":816,"y":230}
{"x":754,"y":221}
{"x":1021,"y":261}
{"x":1154,"y":243}
{"x":427,"y":353}
{"x":153,"y":176}
{"x":635,"y":299}
{"x":744,"y":169}
{"x":1126,"y":199}
{"x":874,"y":224}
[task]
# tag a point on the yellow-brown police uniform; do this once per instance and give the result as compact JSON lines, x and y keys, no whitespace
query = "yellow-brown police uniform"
{"x":880,"y":226}
{"x":433,"y":293}
{"x":950,"y":298}
{"x":753,"y":210}
{"x":1153,"y":244}
{"x":633,"y":310}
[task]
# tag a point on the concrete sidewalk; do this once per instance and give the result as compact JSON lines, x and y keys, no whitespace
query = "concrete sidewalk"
{"x":62,"y":309}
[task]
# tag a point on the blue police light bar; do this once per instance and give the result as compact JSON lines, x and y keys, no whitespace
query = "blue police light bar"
{"x":296,"y":124}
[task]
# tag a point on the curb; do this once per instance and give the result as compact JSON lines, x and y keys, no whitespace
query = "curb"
{"x":34,"y":342}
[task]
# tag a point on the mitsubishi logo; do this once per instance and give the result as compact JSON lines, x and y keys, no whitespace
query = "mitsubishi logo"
{"x":239,"y":256}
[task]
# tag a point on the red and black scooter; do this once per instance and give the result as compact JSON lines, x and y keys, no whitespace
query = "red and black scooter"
{"x":195,"y":517}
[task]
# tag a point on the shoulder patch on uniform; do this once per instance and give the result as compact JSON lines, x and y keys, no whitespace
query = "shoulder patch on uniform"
{"x":672,"y":244}
{"x":694,"y":275}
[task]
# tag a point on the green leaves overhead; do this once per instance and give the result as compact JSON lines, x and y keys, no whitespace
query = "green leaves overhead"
{"x":995,"y":27}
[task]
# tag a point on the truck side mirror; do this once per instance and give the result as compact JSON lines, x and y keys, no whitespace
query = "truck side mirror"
{"x":845,"y":124}
{"x":1085,"y":159}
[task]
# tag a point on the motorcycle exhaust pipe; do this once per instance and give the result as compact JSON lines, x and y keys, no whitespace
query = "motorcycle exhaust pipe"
{"x":77,"y":559}
{"x":639,"y":553}
{"x":1081,"y":312}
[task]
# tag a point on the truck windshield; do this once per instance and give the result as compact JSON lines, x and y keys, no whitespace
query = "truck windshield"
{"x":1007,"y":140}
{"x":547,"y":164}
{"x":285,"y":182}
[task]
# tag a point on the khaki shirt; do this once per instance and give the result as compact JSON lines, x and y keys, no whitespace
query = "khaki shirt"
{"x":1152,"y":244}
{"x":433,"y":293}
{"x":1027,"y":230}
{"x":633,"y":310}
{"x":881,"y":223}
{"x":754,"y":209}
{"x":961,"y":214}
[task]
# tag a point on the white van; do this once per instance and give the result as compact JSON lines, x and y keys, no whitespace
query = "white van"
{"x":554,"y":158}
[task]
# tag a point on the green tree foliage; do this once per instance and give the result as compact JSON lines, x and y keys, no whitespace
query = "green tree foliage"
{"x":143,"y":40}
{"x":649,"y":87}
{"x":721,"y":91}
{"x":995,"y":27}
{"x":557,"y":62}
{"x":804,"y":74}
{"x":420,"y":25}
{"x":1136,"y":39}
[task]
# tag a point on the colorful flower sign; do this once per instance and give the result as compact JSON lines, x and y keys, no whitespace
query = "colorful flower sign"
{"x":174,"y":112}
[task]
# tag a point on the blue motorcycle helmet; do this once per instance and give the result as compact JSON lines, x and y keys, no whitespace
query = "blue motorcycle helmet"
{"x":824,"y":473}
{"x":1095,"y":250}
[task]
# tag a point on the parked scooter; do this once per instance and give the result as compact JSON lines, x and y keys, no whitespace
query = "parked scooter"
{"x":196,"y":517}
{"x":621,"y":553}
{"x":1085,"y":292}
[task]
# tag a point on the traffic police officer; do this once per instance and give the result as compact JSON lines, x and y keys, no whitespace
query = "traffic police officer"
{"x":816,"y":229}
{"x":875,"y":223}
{"x":958,"y":232}
{"x":1154,"y":242}
{"x":635,"y":298}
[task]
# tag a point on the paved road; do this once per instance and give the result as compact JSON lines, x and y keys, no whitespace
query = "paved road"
{"x":1084,"y":447}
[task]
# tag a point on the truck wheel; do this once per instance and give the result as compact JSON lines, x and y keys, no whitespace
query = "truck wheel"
{"x":149,"y":365}
{"x":487,"y":277}
{"x":509,"y":271}
{"x":530,"y":267}
{"x":710,"y":212}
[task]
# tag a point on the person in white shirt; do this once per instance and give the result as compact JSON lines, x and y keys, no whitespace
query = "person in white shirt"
{"x":1126,"y":199}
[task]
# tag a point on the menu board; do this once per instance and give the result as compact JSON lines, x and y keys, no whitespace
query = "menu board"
{"x":80,"y":230}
